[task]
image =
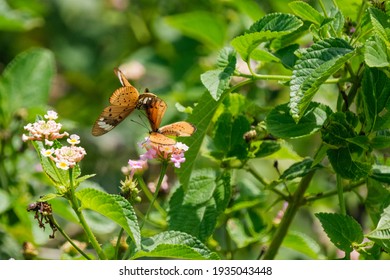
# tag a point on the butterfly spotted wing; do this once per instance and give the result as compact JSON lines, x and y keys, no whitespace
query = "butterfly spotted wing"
{"x":122,"y":102}
{"x":181,"y":129}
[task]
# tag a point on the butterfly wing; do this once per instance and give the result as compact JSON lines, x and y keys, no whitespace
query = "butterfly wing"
{"x":178,"y":129}
{"x":123,"y":101}
{"x":155,"y":109}
{"x":110,"y":118}
{"x":158,"y":139}
{"x":122,"y":78}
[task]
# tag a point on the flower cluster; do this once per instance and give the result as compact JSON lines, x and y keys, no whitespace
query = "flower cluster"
{"x":47,"y":131}
{"x":168,"y":153}
{"x":44,"y":130}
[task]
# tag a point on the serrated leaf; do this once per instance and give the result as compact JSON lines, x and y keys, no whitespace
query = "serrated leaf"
{"x":204,"y":26}
{"x":302,"y":243}
{"x":375,"y":52}
{"x":202,"y":119}
{"x":174,"y":244}
{"x":218,"y":80}
{"x":344,"y":165}
{"x":281,"y":124}
{"x":344,"y":231}
{"x":337,"y":131}
{"x":26,"y":81}
{"x":228,"y":135}
{"x":196,"y":210}
{"x":376,"y":99}
{"x":380,"y":23}
{"x":313,"y":68}
{"x":306,"y":12}
{"x":269,"y":27}
{"x":114,"y":207}
{"x":299,"y":169}
{"x":378,"y":198}
{"x":381,"y":234}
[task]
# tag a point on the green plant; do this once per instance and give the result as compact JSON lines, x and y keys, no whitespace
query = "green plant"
{"x":271,"y":159}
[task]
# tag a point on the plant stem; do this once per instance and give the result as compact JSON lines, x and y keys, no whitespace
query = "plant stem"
{"x":118,"y":243}
{"x":67,"y":237}
{"x":289,"y":215}
{"x":160,"y":179}
{"x":75,"y":205}
{"x":340,"y":193}
{"x":148,"y":194}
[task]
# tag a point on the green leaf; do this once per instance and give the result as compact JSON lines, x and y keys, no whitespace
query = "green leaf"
{"x":302,"y":243}
{"x":59,"y":177}
{"x":281,"y":124}
{"x":114,"y":207}
{"x":299,"y":169}
{"x":306,"y":12}
{"x":381,"y":173}
{"x":174,"y":244}
{"x":218,"y":80}
{"x":344,"y":231}
{"x":5,"y":201}
{"x":313,"y":68}
{"x":238,"y":233}
{"x":25,"y":82}
{"x":375,"y":52}
{"x":381,"y":234}
{"x":376,"y":99}
{"x":381,"y":23}
{"x":337,"y":130}
{"x":205,"y":27}
{"x":347,"y":167}
{"x":17,"y":20}
{"x":196,"y":210}
{"x":264,"y":148}
{"x":202,"y":118}
{"x":378,"y":198}
{"x":228,"y":137}
{"x":269,"y":27}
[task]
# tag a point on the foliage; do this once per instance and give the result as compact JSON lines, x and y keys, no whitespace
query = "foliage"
{"x":292,"y":132}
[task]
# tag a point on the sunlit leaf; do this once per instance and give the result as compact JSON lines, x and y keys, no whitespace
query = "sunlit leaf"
{"x":344,"y":231}
{"x":114,"y":207}
{"x":312,"y":69}
{"x":176,"y":245}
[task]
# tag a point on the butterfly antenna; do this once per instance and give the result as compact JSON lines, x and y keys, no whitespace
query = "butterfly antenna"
{"x":141,"y":122}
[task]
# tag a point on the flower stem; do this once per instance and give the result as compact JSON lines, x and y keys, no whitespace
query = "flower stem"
{"x":67,"y":237}
{"x":160,"y":179}
{"x":75,"y":205}
{"x":118,"y":243}
{"x":148,"y":194}
{"x":289,"y":215}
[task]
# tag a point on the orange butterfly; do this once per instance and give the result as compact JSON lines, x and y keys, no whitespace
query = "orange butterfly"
{"x":123,"y":101}
{"x":155,"y":109}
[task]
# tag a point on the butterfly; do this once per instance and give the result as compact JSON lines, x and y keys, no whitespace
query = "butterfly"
{"x":123,"y":102}
{"x":155,"y":108}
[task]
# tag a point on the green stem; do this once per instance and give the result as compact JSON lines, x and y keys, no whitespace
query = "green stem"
{"x":340,"y":193}
{"x":160,"y":179}
{"x":289,"y":215}
{"x":83,"y":222}
{"x":67,"y":237}
{"x":348,"y":188}
{"x":118,"y":243}
{"x":148,"y":194}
